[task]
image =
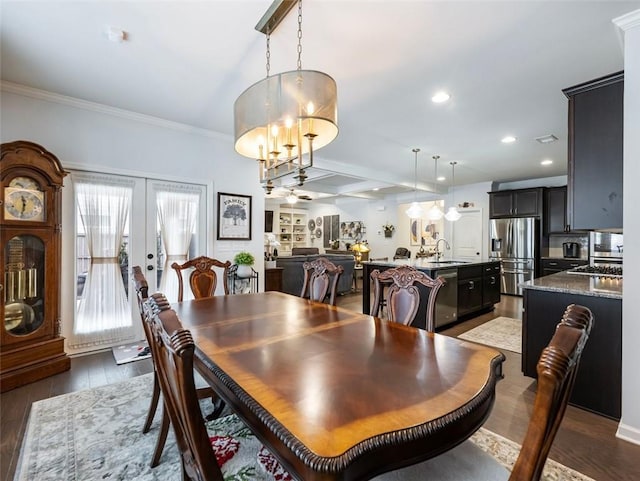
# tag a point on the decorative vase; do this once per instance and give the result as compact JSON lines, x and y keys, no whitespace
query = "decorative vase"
{"x":269,"y":264}
{"x":388,"y":233}
{"x":244,"y":271}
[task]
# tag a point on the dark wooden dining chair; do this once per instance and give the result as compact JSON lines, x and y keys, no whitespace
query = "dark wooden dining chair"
{"x":557,"y":368}
{"x":321,"y":280}
{"x":203,"y":279}
{"x":160,"y":303}
{"x":203,"y":458}
{"x":403,"y":297}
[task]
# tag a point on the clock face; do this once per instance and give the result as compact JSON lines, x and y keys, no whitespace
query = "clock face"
{"x":24,"y":183}
{"x":23,"y":204}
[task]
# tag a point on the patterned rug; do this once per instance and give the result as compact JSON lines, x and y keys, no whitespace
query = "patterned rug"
{"x":135,"y":351}
{"x":97,"y":434}
{"x":501,"y":332}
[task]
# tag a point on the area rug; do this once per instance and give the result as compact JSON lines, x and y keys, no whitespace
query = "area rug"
{"x":97,"y":434}
{"x":135,"y":351}
{"x":501,"y":332}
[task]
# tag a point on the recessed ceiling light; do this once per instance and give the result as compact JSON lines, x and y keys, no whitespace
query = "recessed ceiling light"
{"x":440,"y":97}
{"x":441,"y":178}
{"x":546,"y":162}
{"x":508,"y":139}
{"x":376,"y":188}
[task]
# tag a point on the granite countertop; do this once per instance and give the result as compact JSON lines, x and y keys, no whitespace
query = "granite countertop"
{"x":560,"y":258}
{"x":427,"y":263}
{"x":577,"y":284}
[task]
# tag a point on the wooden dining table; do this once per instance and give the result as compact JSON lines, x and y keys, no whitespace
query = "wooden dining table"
{"x":336,"y":394}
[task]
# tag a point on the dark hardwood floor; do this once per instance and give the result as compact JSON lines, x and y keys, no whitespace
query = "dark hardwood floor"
{"x":586,"y":441}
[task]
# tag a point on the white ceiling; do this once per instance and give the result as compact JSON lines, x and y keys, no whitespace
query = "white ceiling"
{"x":503,"y":62}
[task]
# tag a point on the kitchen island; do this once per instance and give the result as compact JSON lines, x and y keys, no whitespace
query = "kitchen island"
{"x":472,"y":287}
{"x":599,"y":379}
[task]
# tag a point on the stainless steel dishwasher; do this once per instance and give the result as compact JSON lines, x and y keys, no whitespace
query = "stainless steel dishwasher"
{"x":447,"y":299}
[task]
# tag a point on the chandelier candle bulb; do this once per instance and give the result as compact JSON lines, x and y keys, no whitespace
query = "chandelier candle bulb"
{"x":288,"y":123}
{"x":274,"y":133}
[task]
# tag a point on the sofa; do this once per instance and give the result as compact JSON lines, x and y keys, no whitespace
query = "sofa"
{"x":293,"y":272}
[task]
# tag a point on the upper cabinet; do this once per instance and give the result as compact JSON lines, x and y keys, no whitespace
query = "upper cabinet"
{"x":595,"y":153}
{"x":555,"y":210}
{"x":515,"y":203}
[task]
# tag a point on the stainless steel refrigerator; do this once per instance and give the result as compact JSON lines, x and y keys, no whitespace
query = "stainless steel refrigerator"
{"x":513,"y":242}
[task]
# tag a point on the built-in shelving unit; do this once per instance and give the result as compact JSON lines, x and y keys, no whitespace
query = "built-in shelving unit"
{"x":292,"y":230}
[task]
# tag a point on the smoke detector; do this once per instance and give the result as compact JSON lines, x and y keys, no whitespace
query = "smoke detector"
{"x":116,"y":35}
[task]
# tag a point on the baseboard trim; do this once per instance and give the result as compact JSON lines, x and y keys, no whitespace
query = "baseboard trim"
{"x":628,"y":433}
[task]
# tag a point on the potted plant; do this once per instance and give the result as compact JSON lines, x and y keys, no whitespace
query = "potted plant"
{"x":388,"y":229}
{"x":244,"y":260}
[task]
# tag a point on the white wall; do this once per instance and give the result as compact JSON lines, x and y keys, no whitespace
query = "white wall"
{"x":629,"y":427}
{"x":84,"y":135}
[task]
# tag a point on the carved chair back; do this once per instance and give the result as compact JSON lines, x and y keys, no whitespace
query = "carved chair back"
{"x":142,"y":293}
{"x":403,"y":295}
{"x":321,"y":280}
{"x":557,"y":368}
{"x":173,"y":349}
{"x":203,"y":278}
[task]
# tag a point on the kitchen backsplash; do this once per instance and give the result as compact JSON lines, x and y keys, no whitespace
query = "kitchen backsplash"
{"x":556,"y":241}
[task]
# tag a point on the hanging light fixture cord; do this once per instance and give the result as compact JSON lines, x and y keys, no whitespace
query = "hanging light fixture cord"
{"x":453,"y":183}
{"x":415,"y":175}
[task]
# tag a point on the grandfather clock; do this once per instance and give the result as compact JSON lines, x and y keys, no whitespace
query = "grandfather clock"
{"x":31,"y":347}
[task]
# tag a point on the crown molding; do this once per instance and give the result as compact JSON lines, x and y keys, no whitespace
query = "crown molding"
{"x":628,"y":20}
{"x":31,"y":92}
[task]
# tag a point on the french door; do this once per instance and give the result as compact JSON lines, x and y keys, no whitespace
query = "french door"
{"x":121,"y":222}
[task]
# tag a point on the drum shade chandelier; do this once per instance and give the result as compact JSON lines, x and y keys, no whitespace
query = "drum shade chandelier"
{"x":283,"y":118}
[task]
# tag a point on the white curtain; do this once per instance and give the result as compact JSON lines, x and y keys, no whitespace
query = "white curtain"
{"x":177,"y":215}
{"x":103,"y":312}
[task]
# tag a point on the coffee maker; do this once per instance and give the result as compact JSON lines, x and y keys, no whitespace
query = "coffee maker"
{"x":571,"y":250}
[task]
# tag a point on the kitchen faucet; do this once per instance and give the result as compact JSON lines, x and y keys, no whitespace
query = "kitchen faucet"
{"x":446,"y":245}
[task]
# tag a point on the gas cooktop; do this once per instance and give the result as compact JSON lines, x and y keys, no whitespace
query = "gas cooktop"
{"x":601,"y":271}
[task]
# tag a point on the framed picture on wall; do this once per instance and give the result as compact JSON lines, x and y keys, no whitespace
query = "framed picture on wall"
{"x":414,"y":233}
{"x":234,"y":216}
{"x":268,"y":221}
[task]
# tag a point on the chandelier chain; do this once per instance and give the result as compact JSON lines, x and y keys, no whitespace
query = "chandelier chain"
{"x":268,"y":53}
{"x":299,"y":34}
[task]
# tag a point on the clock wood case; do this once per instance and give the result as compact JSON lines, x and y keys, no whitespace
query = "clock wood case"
{"x":31,"y":347}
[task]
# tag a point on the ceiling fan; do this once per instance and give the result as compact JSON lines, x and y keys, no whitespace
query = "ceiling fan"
{"x":290,"y":195}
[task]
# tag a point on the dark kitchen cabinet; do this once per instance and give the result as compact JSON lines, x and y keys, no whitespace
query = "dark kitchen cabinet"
{"x":515,"y":203}
{"x":553,"y":266}
{"x":490,"y":284}
{"x":595,"y":153}
{"x":555,"y":210}
{"x":599,"y":379}
{"x":469,"y":289}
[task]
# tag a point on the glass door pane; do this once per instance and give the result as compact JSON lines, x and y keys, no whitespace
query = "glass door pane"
{"x":176,"y":232}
